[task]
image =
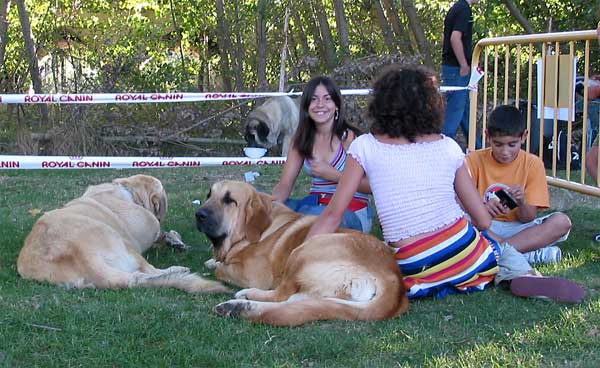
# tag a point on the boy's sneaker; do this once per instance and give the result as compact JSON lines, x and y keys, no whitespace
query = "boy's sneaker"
{"x":544,"y":255}
{"x":597,"y":237}
{"x":555,"y":288}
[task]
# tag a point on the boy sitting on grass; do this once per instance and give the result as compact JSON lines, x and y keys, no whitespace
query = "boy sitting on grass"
{"x":522,"y":175}
{"x":506,"y":167}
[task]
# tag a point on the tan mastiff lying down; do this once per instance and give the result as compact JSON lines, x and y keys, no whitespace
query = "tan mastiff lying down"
{"x":97,"y":240}
{"x":259,"y":244}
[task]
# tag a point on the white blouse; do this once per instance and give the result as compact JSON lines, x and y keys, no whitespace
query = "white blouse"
{"x":412,"y":184}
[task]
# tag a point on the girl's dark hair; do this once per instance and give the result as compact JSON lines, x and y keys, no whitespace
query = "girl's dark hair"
{"x":406,"y":102}
{"x":304,"y":137}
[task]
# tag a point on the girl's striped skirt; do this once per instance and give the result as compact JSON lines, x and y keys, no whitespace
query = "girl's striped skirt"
{"x":458,"y":259}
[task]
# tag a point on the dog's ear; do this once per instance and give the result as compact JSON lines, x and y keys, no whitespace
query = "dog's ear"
{"x":158,"y":201}
{"x":148,"y":192}
{"x":258,"y":216}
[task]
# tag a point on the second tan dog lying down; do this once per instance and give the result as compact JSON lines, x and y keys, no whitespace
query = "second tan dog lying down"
{"x":97,"y":240}
{"x":259,"y":244}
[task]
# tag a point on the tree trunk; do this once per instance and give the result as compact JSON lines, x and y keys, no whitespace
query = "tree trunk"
{"x":261,"y":45}
{"x":31,"y":55}
{"x":521,"y":19}
{"x":384,"y":26}
{"x":313,"y":28}
{"x":342,"y":28}
{"x":4,"y":7}
{"x":417,"y":30}
{"x":29,"y":46}
{"x":239,"y":52}
{"x":180,"y":42}
{"x":301,"y":34}
{"x":224,"y":41}
{"x":204,"y":71}
{"x":293,"y":47}
{"x":399,"y":29}
{"x":202,"y":45}
{"x":286,"y":27}
{"x":327,"y":39}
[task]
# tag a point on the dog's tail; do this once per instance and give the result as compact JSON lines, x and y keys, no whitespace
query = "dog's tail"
{"x":293,"y":313}
{"x":179,"y":278}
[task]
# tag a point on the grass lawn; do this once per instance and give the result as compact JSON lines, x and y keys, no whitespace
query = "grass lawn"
{"x":48,"y":326}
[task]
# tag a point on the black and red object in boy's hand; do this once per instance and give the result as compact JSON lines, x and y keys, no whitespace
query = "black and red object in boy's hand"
{"x":506,"y":199}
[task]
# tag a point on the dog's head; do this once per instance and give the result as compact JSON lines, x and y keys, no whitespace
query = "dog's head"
{"x":258,"y":133}
{"x":148,"y":192}
{"x":268,"y":123}
{"x":234,"y":211}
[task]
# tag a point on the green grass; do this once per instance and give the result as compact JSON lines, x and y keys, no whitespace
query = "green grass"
{"x":47,"y":326}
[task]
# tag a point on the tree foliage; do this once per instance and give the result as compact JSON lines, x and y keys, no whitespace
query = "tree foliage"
{"x":160,"y":45}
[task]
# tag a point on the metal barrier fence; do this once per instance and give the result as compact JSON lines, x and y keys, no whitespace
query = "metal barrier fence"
{"x":561,"y":122}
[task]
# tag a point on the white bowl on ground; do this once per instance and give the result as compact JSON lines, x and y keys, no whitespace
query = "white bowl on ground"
{"x":254,"y":152}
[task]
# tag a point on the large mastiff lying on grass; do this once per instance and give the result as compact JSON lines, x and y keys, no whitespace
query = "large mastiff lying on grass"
{"x":97,"y":240}
{"x":259,"y":244}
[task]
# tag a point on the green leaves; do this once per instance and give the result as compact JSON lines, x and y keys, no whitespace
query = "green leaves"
{"x":136,"y":45}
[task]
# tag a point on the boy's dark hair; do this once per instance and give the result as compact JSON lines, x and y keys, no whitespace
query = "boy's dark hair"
{"x":506,"y":120}
{"x":406,"y":102}
{"x":304,"y":138}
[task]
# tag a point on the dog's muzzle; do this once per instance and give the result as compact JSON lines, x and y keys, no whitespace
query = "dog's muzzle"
{"x":256,"y":135}
{"x":250,"y":140}
{"x":206,"y":223}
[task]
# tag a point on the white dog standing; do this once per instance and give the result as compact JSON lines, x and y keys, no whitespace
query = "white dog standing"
{"x":273,"y":123}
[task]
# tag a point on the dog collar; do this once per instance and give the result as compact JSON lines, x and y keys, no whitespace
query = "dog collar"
{"x":127,"y":192}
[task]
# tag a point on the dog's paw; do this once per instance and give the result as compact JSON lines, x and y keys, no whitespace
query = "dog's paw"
{"x":177,"y":269}
{"x":211,"y":264}
{"x":243,"y":294}
{"x":232,"y":308}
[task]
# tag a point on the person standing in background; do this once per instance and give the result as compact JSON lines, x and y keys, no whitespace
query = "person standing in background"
{"x":456,"y":66}
{"x":592,"y":157}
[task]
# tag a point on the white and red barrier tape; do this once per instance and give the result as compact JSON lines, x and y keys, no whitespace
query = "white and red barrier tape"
{"x":99,"y":162}
{"x":110,"y":98}
{"x":102,"y":162}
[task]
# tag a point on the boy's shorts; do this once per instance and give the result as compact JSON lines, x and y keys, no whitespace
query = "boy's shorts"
{"x":506,"y":230}
{"x":512,"y":264}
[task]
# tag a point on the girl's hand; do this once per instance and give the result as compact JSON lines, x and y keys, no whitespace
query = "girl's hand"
{"x":325,"y":171}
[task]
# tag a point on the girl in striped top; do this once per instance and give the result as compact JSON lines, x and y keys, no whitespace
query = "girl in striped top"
{"x":416,"y":175}
{"x":319,"y":146}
